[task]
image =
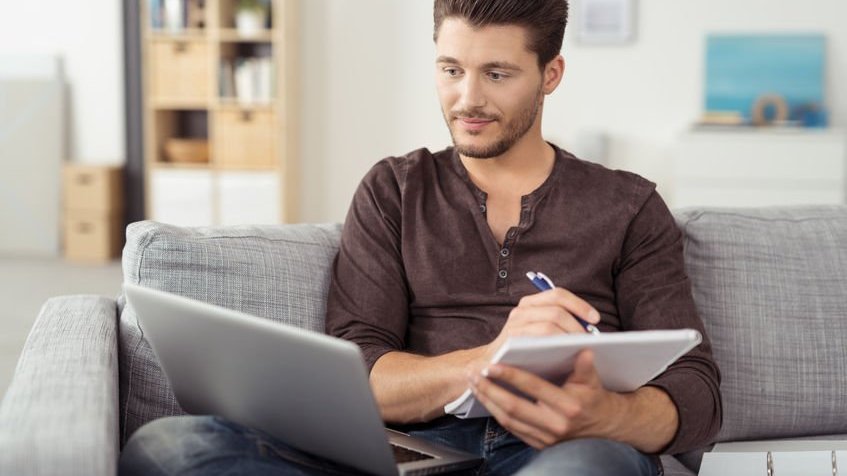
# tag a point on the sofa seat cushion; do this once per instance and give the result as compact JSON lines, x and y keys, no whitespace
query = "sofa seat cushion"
{"x":771,"y":288}
{"x":277,"y":272}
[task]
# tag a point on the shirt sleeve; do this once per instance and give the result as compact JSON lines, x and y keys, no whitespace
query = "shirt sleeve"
{"x":368,"y":293}
{"x":654,"y":292}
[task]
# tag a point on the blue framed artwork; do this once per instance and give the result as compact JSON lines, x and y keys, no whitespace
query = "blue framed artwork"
{"x":740,"y":69}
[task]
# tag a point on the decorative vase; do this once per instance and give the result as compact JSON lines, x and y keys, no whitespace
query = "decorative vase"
{"x":250,"y":22}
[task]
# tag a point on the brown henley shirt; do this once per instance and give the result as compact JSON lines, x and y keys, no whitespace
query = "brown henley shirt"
{"x":419,"y":270}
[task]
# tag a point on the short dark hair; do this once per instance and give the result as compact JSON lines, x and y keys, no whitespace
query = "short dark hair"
{"x":545,"y":20}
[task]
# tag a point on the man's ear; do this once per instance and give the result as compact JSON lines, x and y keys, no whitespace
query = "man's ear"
{"x":553,"y":73}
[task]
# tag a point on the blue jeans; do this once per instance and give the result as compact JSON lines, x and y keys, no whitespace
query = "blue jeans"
{"x":195,"y":445}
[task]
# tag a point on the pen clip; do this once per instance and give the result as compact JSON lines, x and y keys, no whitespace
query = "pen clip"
{"x":547,"y":280}
{"x":540,"y":283}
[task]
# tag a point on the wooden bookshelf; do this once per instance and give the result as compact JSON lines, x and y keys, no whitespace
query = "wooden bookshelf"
{"x":232,"y":35}
{"x":233,"y":93}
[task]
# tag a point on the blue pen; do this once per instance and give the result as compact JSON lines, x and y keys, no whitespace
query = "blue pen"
{"x":543,"y":283}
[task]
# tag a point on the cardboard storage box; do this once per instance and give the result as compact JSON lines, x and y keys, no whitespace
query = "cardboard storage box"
{"x":92,"y":236}
{"x":93,"y":188}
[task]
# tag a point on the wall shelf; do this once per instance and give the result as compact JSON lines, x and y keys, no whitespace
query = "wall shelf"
{"x":236,"y":92}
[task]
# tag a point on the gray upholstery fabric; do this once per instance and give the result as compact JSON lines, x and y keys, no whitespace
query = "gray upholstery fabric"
{"x":769,"y":283}
{"x":278,"y":272}
{"x":771,"y":286}
{"x":672,"y":467}
{"x":60,"y":414}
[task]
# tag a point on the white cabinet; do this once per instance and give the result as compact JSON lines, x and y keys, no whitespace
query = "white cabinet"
{"x":182,"y":197}
{"x":248,"y":198}
{"x":759,"y":168}
{"x":206,"y":197}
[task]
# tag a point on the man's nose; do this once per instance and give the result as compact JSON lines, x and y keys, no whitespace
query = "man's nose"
{"x":472,"y":95}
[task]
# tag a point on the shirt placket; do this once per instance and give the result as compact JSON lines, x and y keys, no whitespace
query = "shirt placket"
{"x":506,"y":252}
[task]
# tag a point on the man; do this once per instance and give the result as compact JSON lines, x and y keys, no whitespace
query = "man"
{"x":429,"y":281}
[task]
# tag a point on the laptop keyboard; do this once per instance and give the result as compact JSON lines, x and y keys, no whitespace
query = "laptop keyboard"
{"x":405,"y":455}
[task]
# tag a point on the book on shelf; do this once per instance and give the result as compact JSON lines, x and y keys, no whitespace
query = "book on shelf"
{"x":249,"y":80}
{"x":177,"y":15}
{"x":226,"y":79}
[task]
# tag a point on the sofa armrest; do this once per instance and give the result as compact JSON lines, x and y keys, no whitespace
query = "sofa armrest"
{"x":60,"y":413}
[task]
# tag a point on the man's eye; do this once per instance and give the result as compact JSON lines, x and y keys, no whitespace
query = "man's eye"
{"x":496,"y":76}
{"x":451,"y":71}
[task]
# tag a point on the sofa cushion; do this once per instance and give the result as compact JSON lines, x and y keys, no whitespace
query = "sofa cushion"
{"x":278,"y":272}
{"x":771,"y":287}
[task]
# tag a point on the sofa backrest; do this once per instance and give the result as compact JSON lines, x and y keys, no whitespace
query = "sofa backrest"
{"x":277,"y":272}
{"x":771,"y":287}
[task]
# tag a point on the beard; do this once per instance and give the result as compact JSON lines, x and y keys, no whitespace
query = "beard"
{"x":513,"y":130}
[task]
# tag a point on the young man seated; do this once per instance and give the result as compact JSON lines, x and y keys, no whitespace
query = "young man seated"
{"x":430,"y":280}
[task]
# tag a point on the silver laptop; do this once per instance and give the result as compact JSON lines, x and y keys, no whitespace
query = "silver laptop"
{"x":307,"y":389}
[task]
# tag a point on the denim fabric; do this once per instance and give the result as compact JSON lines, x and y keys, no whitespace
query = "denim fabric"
{"x":205,"y":445}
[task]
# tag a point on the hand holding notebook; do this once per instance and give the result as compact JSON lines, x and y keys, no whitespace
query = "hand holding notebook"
{"x":624,"y":361}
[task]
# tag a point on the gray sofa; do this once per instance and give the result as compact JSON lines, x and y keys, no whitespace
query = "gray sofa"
{"x":771,"y":286}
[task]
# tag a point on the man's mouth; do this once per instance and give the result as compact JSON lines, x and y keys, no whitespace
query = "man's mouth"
{"x":474,"y":123}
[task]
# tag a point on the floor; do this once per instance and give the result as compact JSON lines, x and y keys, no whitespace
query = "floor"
{"x":25,"y":283}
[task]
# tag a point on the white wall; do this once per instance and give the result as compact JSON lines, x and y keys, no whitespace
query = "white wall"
{"x":88,"y":37}
{"x":367,"y":93}
{"x":368,"y":90}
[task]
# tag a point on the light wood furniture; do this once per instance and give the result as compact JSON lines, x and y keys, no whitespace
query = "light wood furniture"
{"x":753,"y":167}
{"x":93,"y":219}
{"x":252,"y":173}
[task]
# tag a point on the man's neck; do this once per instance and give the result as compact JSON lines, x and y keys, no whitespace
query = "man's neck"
{"x":521,"y":169}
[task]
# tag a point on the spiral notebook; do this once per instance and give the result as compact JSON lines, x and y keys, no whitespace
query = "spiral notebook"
{"x":624,"y":360}
{"x":776,"y":458}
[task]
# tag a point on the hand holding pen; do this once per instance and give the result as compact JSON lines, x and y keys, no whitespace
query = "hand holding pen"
{"x":543,"y":283}
{"x":557,"y":311}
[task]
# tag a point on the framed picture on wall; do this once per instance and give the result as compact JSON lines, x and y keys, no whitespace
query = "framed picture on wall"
{"x":606,"y":22}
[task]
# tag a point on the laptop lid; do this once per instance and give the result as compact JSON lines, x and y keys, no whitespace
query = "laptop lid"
{"x":305,"y":388}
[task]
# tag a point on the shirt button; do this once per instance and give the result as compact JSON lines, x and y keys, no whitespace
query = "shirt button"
{"x":503,"y":274}
{"x":504,"y":252}
{"x":482,"y":208}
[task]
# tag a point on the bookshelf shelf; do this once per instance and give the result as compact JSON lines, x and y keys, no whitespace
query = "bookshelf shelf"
{"x":159,"y":103}
{"x":226,"y":104}
{"x":225,"y":98}
{"x":179,"y":166}
{"x":189,"y":166}
{"x":182,"y":35}
{"x":246,"y":168}
{"x":234,"y":36}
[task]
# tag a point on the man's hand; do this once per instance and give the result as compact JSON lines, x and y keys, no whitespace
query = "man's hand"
{"x":579,"y":408}
{"x":646,"y":419}
{"x":545,"y":313}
